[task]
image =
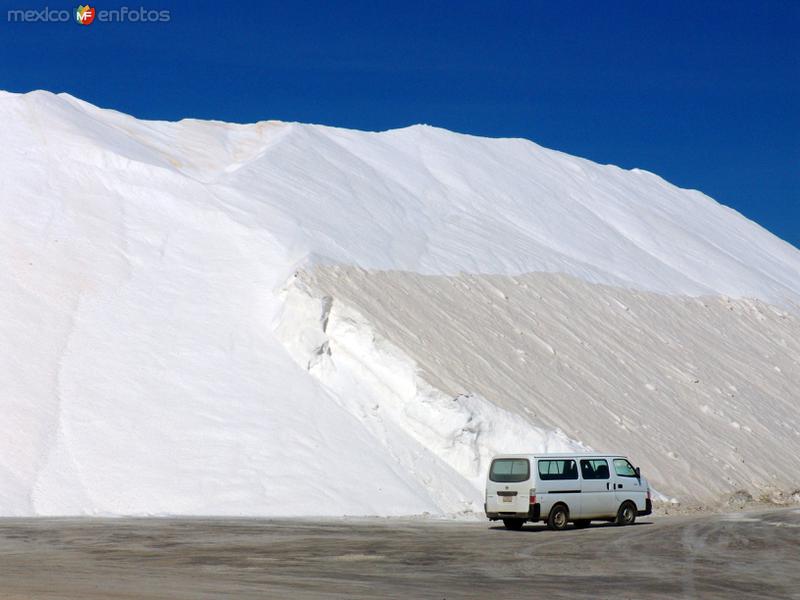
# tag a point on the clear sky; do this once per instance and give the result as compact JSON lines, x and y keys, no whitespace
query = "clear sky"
{"x":706,"y":95}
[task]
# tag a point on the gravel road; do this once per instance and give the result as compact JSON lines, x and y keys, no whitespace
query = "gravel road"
{"x":738,"y":555}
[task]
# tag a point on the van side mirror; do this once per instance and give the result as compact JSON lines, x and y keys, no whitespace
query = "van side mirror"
{"x":638,"y":473}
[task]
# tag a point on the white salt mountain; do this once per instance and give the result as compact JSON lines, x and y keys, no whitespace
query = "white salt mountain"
{"x":285,"y":319}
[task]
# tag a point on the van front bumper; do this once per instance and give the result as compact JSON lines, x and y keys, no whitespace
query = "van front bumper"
{"x":532,"y":515}
{"x":648,"y":508}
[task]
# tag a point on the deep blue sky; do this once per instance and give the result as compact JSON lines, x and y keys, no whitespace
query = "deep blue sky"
{"x":706,"y":95}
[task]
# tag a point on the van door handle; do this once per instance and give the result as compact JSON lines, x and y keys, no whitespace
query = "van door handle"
{"x":606,"y":485}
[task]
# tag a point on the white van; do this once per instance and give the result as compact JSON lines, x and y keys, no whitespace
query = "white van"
{"x":562,"y":488}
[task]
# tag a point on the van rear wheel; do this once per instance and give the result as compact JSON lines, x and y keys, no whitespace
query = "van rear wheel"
{"x":626,"y":515}
{"x":513,"y":524}
{"x":558,"y":518}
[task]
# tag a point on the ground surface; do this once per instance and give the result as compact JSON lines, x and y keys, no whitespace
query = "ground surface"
{"x":739,"y":555}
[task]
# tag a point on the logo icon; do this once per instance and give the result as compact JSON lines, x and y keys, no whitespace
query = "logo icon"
{"x":84,"y":15}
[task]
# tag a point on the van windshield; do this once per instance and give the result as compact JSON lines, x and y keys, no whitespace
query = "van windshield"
{"x":623,"y":468}
{"x":510,"y":470}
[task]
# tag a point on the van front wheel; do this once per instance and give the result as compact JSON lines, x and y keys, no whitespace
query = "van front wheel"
{"x":626,"y":515}
{"x":559,"y":516}
{"x":513,"y":524}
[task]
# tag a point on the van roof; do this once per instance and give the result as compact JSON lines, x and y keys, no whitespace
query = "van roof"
{"x":563,"y":455}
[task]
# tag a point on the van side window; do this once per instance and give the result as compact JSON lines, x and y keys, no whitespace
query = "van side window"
{"x":596,"y":468}
{"x":510,"y":470}
{"x":557,"y":469}
{"x":623,"y":468}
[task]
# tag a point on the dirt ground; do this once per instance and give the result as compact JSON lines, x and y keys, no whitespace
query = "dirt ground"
{"x":736,"y":555}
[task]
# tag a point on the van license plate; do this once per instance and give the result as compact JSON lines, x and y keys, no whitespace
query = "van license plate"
{"x":507,"y":498}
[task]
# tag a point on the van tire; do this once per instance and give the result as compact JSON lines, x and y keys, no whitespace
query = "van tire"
{"x":558,"y":518}
{"x":514,"y":524}
{"x":626,"y":515}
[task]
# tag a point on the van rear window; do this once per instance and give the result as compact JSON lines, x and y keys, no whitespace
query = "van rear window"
{"x":557,"y":469}
{"x":510,"y":470}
